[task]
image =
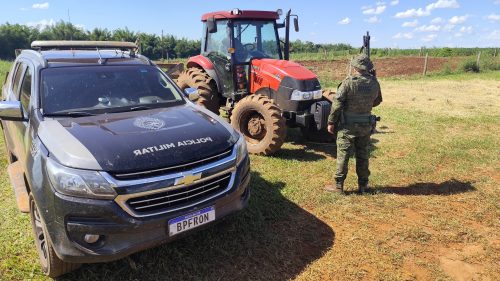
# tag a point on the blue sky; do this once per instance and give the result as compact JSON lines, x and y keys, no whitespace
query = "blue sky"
{"x":392,"y":23}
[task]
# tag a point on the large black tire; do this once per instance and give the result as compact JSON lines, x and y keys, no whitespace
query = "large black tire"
{"x":260,"y":121}
{"x":207,"y":89}
{"x":52,"y":265}
{"x":323,"y":136}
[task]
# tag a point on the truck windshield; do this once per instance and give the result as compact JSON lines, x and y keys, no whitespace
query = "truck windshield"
{"x":255,"y":39}
{"x":105,"y":89}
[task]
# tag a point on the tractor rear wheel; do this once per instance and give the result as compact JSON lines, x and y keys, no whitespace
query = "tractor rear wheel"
{"x":260,"y":121}
{"x":323,"y":136}
{"x":207,"y":90}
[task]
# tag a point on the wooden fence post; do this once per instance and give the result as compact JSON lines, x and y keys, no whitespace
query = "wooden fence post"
{"x":478,"y":58}
{"x":425,"y":64}
{"x":495,"y":53}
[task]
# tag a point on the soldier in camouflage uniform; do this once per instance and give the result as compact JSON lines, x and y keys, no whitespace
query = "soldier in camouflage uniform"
{"x":351,"y":117}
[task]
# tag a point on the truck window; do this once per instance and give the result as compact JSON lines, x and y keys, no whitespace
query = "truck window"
{"x":26,"y":91}
{"x":17,"y":79}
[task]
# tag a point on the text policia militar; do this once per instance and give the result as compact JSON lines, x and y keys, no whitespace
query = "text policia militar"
{"x":156,"y":148}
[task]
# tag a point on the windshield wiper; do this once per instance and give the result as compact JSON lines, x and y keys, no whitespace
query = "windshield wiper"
{"x":70,"y":114}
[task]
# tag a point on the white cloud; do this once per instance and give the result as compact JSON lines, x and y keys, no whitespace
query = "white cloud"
{"x":440,"y":4}
{"x":429,"y":38}
{"x":410,"y":23}
{"x":345,"y":21}
{"x":395,"y":2}
{"x":449,"y":27}
{"x":42,"y":24}
{"x":413,"y":13}
{"x":375,"y":11}
{"x":458,"y":19}
{"x":493,"y":36}
{"x":443,"y":4}
{"x":437,"y":20}
{"x":41,"y":6}
{"x":464,"y":30}
{"x":494,"y":17}
{"x":407,"y":35}
{"x":428,"y":28}
{"x":373,"y":19}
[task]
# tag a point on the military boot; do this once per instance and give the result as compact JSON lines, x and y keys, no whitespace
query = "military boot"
{"x":339,"y":187}
{"x":363,"y":187}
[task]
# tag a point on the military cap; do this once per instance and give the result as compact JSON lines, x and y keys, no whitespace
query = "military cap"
{"x":362,"y":62}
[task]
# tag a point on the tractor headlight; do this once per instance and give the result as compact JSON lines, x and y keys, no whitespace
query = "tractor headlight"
{"x":79,"y":183}
{"x":241,"y":149}
{"x":299,"y":95}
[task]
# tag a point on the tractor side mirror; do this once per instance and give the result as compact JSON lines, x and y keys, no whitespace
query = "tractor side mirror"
{"x":11,"y":111}
{"x":192,"y":94}
{"x":296,"y":24}
{"x":211,"y":26}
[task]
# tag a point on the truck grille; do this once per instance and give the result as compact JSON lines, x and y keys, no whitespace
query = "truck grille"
{"x":174,"y":169}
{"x":178,"y":198}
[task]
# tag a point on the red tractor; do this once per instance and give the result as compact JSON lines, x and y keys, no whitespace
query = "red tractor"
{"x":244,"y":70}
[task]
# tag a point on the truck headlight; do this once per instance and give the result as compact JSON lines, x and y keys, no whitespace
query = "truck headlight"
{"x":299,"y":95}
{"x":79,"y":183}
{"x":241,"y":149}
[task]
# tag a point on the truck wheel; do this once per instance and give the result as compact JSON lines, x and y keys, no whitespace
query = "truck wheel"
{"x":52,"y":266}
{"x":260,"y":121}
{"x":197,"y":78}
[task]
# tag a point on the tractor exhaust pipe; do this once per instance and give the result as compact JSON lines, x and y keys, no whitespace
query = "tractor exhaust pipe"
{"x":286,"y":52}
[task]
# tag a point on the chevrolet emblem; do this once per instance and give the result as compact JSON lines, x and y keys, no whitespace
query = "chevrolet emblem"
{"x":188,"y":179}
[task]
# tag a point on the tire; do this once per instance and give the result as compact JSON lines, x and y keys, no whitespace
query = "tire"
{"x":260,"y":121}
{"x":207,"y":89}
{"x":52,"y":266}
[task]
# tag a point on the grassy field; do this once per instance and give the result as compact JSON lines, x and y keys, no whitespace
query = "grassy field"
{"x":434,"y":214}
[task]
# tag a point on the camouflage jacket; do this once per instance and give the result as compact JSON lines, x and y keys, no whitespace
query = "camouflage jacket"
{"x":356,"y":95}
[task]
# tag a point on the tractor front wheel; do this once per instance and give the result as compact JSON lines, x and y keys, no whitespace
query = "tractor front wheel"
{"x":198,"y":79}
{"x":260,"y":121}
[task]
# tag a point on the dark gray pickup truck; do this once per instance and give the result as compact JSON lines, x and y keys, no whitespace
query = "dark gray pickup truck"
{"x":109,"y":156}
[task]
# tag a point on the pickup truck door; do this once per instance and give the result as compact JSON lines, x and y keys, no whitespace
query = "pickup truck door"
{"x":11,"y":93}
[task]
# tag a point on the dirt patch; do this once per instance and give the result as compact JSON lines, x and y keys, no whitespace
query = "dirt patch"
{"x":453,"y":264}
{"x":386,"y":67}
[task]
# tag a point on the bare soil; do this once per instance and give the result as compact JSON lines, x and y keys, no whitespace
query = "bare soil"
{"x":386,"y":67}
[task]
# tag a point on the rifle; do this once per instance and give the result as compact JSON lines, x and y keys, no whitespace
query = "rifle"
{"x":366,"y":50}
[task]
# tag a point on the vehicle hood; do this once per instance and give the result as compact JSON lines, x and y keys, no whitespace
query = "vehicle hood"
{"x":138,"y":140}
{"x":282,"y":68}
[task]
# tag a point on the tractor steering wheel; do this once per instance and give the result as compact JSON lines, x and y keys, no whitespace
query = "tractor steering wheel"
{"x":249,"y":47}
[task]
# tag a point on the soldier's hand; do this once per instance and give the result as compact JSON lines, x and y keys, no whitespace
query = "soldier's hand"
{"x":331,"y":129}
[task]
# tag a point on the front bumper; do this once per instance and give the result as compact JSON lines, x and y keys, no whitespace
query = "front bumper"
{"x":122,"y":234}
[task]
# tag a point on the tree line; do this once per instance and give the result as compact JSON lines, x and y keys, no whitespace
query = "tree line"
{"x":17,"y":36}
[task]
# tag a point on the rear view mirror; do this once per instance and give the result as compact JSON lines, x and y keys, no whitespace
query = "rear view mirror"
{"x":211,"y":26}
{"x":296,"y":24}
{"x":192,"y":94}
{"x":11,"y":111}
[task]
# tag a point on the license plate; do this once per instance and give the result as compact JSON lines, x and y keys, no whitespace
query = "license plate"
{"x":190,"y":221}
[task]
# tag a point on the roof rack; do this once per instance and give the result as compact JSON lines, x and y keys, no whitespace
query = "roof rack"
{"x":72,"y":45}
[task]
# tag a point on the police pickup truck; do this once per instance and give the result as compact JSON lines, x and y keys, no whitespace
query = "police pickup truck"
{"x":109,"y":156}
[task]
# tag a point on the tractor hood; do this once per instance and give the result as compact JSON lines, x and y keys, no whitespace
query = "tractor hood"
{"x":282,"y":68}
{"x":137,"y":141}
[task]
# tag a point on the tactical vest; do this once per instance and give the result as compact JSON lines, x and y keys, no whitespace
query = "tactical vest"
{"x":364,"y":91}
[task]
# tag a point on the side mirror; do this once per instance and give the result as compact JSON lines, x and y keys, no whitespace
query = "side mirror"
{"x":211,"y":26}
{"x":296,"y":24}
{"x":11,"y":111}
{"x":192,"y":94}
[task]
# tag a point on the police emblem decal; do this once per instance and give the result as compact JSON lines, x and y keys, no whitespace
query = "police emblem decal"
{"x":149,"y":123}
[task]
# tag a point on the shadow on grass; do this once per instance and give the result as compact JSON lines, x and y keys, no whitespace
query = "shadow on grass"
{"x":272,"y":239}
{"x":449,"y":187}
{"x":305,"y":155}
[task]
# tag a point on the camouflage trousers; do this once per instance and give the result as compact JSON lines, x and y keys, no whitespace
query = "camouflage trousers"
{"x":353,"y":141}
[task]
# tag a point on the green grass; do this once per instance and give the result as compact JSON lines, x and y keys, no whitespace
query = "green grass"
{"x":437,"y":194}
